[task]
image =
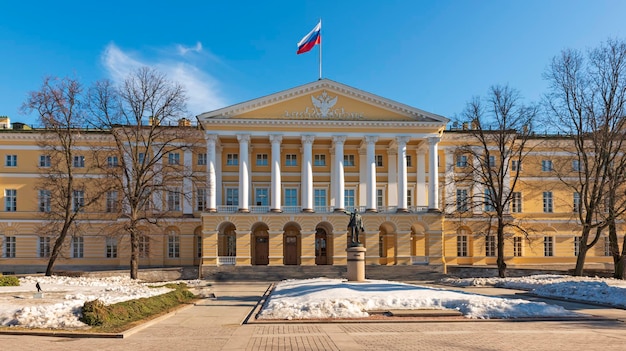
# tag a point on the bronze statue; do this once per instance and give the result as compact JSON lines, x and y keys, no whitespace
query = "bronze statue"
{"x":355,"y":225}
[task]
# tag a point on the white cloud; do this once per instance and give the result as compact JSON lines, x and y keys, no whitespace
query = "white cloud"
{"x":202,"y":89}
{"x":182,"y":50}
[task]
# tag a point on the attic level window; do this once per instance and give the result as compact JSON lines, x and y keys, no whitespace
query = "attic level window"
{"x":11,"y":161}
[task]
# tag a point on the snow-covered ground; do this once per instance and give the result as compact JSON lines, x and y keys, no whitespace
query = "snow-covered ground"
{"x":63,"y":297}
{"x":589,"y":289}
{"x":334,"y":298}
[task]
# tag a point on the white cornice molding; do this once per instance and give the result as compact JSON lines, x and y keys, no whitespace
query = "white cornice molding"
{"x":361,"y":95}
{"x":322,"y":123}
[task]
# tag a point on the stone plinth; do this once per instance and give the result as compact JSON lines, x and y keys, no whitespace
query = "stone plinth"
{"x":356,"y":263}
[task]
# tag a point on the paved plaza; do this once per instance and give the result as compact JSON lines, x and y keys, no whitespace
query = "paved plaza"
{"x":216,"y":324}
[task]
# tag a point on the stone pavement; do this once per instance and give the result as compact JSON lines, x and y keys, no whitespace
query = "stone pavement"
{"x":215,"y":324}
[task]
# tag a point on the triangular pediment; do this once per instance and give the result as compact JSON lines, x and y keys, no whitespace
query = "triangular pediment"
{"x":323,"y":100}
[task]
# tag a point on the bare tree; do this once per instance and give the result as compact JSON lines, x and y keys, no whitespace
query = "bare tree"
{"x":137,"y":113}
{"x":586,"y":100}
{"x":65,"y":192}
{"x":496,"y":147}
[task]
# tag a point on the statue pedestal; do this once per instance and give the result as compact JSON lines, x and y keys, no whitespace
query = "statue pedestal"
{"x":356,"y":263}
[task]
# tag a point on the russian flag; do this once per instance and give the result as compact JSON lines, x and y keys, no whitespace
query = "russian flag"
{"x":310,"y":40}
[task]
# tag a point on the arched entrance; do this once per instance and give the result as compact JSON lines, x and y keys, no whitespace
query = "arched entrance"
{"x":227,"y":240}
{"x":291,"y":244}
{"x":260,"y":244}
{"x":323,"y":244}
{"x":387,"y":243}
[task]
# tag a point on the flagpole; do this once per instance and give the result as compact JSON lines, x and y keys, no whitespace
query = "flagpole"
{"x":321,"y":42}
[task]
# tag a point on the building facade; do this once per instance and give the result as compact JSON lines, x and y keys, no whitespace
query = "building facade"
{"x":278,"y":175}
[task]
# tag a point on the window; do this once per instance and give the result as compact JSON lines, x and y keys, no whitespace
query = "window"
{"x":348,"y":160}
{"x":461,"y":160}
{"x":516,"y":165}
{"x":461,"y":200}
{"x":173,"y":246}
{"x":548,"y":246}
{"x":491,"y":161}
{"x":546,"y":165}
{"x":516,"y":202}
{"x":232,"y":196}
{"x":11,"y":161}
{"x":488,"y":201}
{"x":44,"y":200}
{"x":577,"y":241}
{"x":77,"y":247}
{"x":319,"y":199}
{"x":261,"y":196}
{"x":112,"y":161}
{"x":44,"y":161}
{"x":79,"y":161}
{"x":576,"y":165}
{"x":9,"y":247}
{"x":461,"y":244}
{"x":291,"y":197}
{"x":173,"y":200}
{"x":10,"y":200}
{"x":44,"y":247}
{"x":607,"y":246}
{"x":261,"y":160}
{"x":380,"y":198}
{"x":202,"y":160}
{"x":547,"y":202}
{"x":291,"y":160}
{"x":319,"y":160}
{"x":111,"y":205}
{"x":232,"y":159}
{"x":379,"y":160}
{"x":349,"y":198}
{"x":111,"y":244}
{"x":576,"y":202}
{"x":142,"y":158}
{"x":201,"y":200}
{"x":490,"y":246}
{"x":173,"y":158}
{"x":144,"y":246}
{"x":517,"y":246}
{"x":408,"y":161}
{"x":78,"y":200}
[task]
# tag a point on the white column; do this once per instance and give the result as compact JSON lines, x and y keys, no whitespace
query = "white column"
{"x":244,"y":175}
{"x":371,"y":173}
{"x":188,"y":194}
{"x":218,"y":172}
{"x":392,"y":175}
{"x":339,"y":179}
{"x":402,"y":176}
{"x":276,"y":182}
{"x":362,"y":178}
{"x":211,"y":140}
{"x":433,"y":176}
{"x":307,"y":173}
{"x":420,"y":192}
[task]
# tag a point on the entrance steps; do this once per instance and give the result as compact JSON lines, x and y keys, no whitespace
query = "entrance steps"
{"x":278,"y":273}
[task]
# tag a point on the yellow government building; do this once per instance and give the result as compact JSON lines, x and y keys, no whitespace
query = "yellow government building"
{"x":281,"y":171}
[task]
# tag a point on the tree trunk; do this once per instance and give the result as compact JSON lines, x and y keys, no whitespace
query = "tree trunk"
{"x":56,"y":250}
{"x":134,"y":255}
{"x":500,"y":259}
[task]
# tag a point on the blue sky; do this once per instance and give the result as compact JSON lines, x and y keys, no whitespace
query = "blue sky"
{"x":433,"y":55}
